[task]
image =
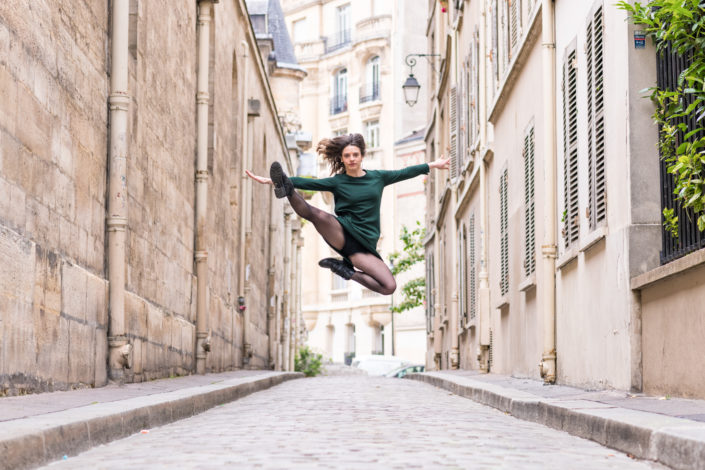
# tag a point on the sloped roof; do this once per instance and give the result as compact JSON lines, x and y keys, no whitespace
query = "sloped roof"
{"x":276,"y":30}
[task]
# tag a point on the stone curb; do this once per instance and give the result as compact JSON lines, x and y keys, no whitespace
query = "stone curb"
{"x":37,"y":440}
{"x":675,"y":442}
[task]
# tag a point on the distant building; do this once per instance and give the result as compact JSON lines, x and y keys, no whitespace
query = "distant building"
{"x":354,"y":55}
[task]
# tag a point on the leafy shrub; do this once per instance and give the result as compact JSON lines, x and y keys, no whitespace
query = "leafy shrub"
{"x":308,"y":362}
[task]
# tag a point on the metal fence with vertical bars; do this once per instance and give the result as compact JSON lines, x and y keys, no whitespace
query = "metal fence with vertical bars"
{"x":669,"y":67}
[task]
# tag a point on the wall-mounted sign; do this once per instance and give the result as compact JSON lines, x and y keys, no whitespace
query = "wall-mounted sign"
{"x":639,"y":40}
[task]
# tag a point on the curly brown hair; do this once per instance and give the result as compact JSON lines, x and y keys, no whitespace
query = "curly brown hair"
{"x":332,"y":150}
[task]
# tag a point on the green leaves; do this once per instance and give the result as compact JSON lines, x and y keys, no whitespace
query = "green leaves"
{"x":679,"y":24}
{"x":308,"y":362}
{"x":414,"y":291}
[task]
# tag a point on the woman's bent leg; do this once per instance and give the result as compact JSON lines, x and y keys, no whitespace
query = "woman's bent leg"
{"x":327,"y":225}
{"x":373,"y":273}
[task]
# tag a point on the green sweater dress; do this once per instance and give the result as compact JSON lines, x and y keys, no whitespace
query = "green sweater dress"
{"x":357,"y":199}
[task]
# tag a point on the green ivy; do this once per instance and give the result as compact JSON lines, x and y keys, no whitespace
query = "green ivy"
{"x":414,"y":291}
{"x":680,"y":24}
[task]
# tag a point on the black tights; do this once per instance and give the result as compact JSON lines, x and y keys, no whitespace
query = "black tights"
{"x":371,"y":271}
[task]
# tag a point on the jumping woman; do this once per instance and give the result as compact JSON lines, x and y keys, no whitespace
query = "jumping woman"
{"x":354,"y":231}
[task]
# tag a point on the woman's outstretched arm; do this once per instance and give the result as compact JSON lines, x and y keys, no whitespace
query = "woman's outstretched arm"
{"x":259,"y":179}
{"x":394,"y":176}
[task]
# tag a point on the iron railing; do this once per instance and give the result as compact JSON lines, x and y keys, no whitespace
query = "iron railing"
{"x":669,"y":66}
{"x":369,"y":92}
{"x":338,"y":40}
{"x":338,"y":104}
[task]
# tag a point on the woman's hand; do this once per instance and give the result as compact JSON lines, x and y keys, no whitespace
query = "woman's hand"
{"x":259,"y":179}
{"x":440,"y":164}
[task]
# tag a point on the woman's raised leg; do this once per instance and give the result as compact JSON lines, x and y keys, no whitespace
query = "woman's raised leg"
{"x":373,"y":273}
{"x":327,"y":225}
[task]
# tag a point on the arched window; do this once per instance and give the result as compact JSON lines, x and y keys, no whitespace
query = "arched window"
{"x":370,"y":90}
{"x":339,"y":89}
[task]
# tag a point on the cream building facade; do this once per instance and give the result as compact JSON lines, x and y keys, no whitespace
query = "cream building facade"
{"x":545,"y":253}
{"x":132,"y":247}
{"x":353,"y":52}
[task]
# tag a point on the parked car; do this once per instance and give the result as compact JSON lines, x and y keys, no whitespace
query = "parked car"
{"x":378,"y":364}
{"x":400,"y":372}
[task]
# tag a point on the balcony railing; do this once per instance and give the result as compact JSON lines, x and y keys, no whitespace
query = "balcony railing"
{"x":338,"y":104}
{"x":369,"y":92}
{"x":670,"y":67}
{"x":338,"y":40}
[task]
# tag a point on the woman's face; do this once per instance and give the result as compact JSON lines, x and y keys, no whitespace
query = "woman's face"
{"x":352,"y":158}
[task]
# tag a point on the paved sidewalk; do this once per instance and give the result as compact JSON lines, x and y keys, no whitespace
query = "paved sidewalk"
{"x":667,"y":430}
{"x":38,"y":428}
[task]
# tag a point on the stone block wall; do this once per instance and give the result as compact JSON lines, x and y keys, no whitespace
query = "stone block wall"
{"x":54,"y":132}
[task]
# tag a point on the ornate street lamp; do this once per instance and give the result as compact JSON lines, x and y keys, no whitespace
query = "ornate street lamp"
{"x":411,"y":90}
{"x":411,"y":86}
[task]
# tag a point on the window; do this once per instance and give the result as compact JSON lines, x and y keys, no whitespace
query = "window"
{"x":300,"y":30}
{"x":343,"y":24}
{"x":430,"y":297}
{"x":597,"y":209}
{"x":472,"y":269}
{"x":370,"y":90}
{"x":529,"y":204}
{"x":462,"y":275}
{"x":372,"y":134}
{"x":571,"y":221}
{"x":453,"y":124}
{"x":514,"y":26}
{"x":474,"y":91}
{"x":503,"y":234}
{"x":494,"y":18}
{"x":339,"y":88}
{"x":339,"y":283}
{"x":339,"y":132}
{"x":259,"y":23}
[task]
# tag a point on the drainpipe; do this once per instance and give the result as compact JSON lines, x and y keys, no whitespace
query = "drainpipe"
{"x":201,"y":254}
{"x":296,"y":274}
{"x":287,"y":290}
{"x":484,"y":288}
{"x":271,"y":271}
{"x":120,"y":349}
{"x":547,"y":367}
{"x":244,"y":202}
{"x":295,"y":227}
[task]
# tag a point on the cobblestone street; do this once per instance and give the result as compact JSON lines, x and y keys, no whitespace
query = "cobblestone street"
{"x":353,"y":422}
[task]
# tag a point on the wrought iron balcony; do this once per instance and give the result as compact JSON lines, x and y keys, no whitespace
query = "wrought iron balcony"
{"x":338,"y":104}
{"x":338,"y":40}
{"x":369,"y":92}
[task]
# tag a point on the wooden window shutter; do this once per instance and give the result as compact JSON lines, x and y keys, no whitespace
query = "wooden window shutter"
{"x":529,"y":204}
{"x":504,"y":234}
{"x":571,"y":222}
{"x":597,"y":207}
{"x":462,"y":275}
{"x":514,"y":25}
{"x":453,"y":132}
{"x":472,"y":295}
{"x":495,"y":42}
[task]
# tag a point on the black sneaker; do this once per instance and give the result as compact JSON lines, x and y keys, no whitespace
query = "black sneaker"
{"x":283,"y":186}
{"x":338,"y":267}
